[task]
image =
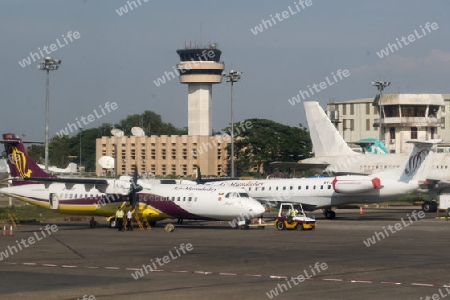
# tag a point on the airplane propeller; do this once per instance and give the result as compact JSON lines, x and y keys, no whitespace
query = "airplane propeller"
{"x":134,"y":188}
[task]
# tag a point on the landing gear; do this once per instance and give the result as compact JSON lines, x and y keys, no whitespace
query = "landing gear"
{"x":152,"y":223}
{"x":180,"y":221}
{"x":329,"y":214}
{"x":429,"y":206}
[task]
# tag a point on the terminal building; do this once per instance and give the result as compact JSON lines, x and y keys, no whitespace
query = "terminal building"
{"x":199,"y":68}
{"x":403,"y":117}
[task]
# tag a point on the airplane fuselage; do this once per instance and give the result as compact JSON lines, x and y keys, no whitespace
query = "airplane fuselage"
{"x":316,"y":193}
{"x":154,"y":203}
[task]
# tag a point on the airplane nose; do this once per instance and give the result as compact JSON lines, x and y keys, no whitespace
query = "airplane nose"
{"x":257,"y":209}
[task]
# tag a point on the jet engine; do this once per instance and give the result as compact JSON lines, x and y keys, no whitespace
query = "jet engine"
{"x":355,"y":184}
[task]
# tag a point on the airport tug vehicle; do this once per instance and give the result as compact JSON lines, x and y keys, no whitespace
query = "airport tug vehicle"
{"x":292,"y":216}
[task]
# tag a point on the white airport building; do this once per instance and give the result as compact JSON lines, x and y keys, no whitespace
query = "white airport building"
{"x":404,"y":117}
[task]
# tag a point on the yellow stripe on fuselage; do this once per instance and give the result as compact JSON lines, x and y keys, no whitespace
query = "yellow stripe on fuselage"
{"x":107,"y":210}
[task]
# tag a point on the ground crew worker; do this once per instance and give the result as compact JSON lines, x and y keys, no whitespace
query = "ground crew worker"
{"x":129,"y":216}
{"x":119,"y":219}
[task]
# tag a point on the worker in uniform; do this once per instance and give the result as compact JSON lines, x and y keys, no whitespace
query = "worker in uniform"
{"x":291,"y":216}
{"x":129,"y":217}
{"x":119,"y":219}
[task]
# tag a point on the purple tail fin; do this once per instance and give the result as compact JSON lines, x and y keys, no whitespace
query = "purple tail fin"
{"x":20,"y":164}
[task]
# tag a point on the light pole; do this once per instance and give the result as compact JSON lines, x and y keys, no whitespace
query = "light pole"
{"x":81,"y":132}
{"x":232,"y":76}
{"x":380,"y":86}
{"x":48,"y":64}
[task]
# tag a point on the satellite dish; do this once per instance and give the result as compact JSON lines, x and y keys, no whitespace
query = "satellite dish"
{"x":106,"y":162}
{"x":117,"y":132}
{"x":137,"y":131}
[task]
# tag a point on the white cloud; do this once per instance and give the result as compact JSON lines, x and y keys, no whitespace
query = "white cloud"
{"x":437,"y":61}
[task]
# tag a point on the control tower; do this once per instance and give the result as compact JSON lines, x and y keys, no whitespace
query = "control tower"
{"x":200,"y":68}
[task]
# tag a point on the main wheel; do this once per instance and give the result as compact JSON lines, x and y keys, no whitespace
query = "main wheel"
{"x":280,"y":225}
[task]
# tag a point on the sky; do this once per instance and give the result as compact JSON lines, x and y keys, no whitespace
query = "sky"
{"x":113,"y":58}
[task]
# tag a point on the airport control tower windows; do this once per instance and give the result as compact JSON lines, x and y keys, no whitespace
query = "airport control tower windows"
{"x":414,"y":133}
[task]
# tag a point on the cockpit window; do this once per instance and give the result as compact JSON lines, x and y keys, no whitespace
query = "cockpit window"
{"x":243,"y":195}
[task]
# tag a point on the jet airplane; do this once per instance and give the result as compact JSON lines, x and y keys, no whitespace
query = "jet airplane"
{"x":328,"y":192}
{"x":334,"y":156}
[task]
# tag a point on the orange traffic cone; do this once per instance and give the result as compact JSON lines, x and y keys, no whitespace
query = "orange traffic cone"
{"x":361,"y":210}
{"x":10,"y":230}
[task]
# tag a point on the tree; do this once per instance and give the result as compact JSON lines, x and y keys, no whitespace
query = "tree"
{"x":151,"y":123}
{"x":37,"y":153}
{"x":59,"y":151}
{"x":258,"y":142}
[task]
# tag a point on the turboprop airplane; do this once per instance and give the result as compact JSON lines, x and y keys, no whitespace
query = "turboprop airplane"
{"x":336,"y":157}
{"x":328,"y":192}
{"x":102,"y":197}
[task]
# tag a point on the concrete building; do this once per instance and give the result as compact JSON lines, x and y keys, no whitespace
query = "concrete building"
{"x":166,"y":155}
{"x":404,"y":117}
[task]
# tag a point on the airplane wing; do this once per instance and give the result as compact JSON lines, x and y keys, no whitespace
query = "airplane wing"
{"x":100,"y":184}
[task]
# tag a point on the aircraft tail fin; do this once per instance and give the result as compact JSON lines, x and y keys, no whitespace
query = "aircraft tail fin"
{"x":414,"y":167}
{"x":19,"y":163}
{"x":325,"y":137}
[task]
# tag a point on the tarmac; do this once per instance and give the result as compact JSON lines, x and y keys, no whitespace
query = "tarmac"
{"x":203,"y":260}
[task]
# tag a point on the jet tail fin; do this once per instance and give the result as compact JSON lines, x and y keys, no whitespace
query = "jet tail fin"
{"x":414,"y":166}
{"x":19,"y":163}
{"x":325,"y":137}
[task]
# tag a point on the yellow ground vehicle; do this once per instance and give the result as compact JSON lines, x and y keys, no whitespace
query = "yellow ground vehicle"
{"x":292,"y":216}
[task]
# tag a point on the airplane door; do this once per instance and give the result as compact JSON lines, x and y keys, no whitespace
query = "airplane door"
{"x":54,"y":201}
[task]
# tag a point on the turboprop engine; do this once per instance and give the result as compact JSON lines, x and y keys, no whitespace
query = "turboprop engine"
{"x":355,"y":184}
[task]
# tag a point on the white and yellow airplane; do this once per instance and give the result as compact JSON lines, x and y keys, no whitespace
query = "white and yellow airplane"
{"x":102,"y":197}
{"x":328,"y":192}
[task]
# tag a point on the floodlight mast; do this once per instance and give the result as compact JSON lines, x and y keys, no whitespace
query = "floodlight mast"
{"x":48,"y":64}
{"x":232,"y":76}
{"x":381,"y":85}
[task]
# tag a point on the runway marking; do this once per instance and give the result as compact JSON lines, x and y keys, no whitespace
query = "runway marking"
{"x":177,"y":271}
{"x":332,"y":279}
{"x":278,"y":277}
{"x":421,"y":284}
{"x":49,"y":265}
{"x":361,"y":281}
{"x":388,"y":282}
{"x":202,"y":272}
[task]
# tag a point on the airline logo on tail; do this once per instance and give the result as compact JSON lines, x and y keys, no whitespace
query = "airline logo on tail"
{"x":415,"y":161}
{"x":19,"y":159}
